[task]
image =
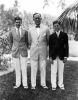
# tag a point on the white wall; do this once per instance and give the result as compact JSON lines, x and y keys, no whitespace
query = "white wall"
{"x":73,"y":48}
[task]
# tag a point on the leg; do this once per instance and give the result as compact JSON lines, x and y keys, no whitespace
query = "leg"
{"x":54,"y":73}
{"x":60,"y":73}
{"x":16,"y":63}
{"x":23,"y":61}
{"x":34,"y":67}
{"x":43,"y":72}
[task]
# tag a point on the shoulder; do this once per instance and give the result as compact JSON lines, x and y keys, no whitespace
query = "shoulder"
{"x":52,"y":35}
{"x":12,"y":29}
{"x":24,"y":30}
{"x":64,"y":34}
{"x":31,"y":27}
{"x":45,"y":27}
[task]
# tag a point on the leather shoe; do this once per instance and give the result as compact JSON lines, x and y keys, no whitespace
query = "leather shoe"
{"x":25,"y":87}
{"x":15,"y":87}
{"x":62,"y":88}
{"x":45,"y":87}
{"x":33,"y":88}
{"x":53,"y":88}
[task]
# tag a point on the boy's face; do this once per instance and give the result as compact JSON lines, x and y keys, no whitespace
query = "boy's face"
{"x":56,"y":27}
{"x":18,"y":23}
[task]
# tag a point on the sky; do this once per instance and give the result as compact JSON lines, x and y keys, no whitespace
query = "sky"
{"x":32,"y":6}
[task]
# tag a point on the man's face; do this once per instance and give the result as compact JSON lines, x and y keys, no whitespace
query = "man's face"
{"x":56,"y":27}
{"x":18,"y":23}
{"x":37,"y":21}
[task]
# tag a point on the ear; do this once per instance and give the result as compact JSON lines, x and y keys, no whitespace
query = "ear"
{"x":41,"y":18}
{"x":33,"y":18}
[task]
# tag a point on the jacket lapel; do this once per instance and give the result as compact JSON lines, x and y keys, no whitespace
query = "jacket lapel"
{"x":56,"y":34}
{"x":35,"y":32}
{"x":22,"y":33}
{"x":16,"y":35}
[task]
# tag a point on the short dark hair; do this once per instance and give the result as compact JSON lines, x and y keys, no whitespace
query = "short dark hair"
{"x":39,"y":15}
{"x":56,"y":22}
{"x":17,"y":18}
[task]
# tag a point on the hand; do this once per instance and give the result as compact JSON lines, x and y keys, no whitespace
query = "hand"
{"x":51,"y":60}
{"x":65,"y":59}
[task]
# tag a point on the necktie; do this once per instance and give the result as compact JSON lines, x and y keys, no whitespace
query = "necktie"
{"x":18,"y":32}
{"x":37,"y":26}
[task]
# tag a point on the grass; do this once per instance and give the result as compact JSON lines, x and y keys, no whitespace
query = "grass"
{"x":70,"y":80}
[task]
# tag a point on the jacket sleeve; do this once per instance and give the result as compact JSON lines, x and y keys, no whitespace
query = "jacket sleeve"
{"x":66,"y":46}
{"x":47,"y":36}
{"x":50,"y":46}
{"x":26,"y":37}
{"x":29,"y":38}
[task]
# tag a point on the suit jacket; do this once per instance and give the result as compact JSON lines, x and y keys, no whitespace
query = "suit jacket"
{"x":19,"y":43}
{"x":38,"y":43}
{"x":58,"y":46}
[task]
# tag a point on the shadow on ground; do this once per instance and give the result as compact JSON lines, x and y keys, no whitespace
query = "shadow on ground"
{"x":70,"y":79}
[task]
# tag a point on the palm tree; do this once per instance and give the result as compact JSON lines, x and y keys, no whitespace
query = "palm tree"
{"x":62,"y":4}
{"x":45,"y":3}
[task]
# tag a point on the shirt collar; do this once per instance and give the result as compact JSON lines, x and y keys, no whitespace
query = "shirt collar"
{"x":58,"y":32}
{"x":17,"y":28}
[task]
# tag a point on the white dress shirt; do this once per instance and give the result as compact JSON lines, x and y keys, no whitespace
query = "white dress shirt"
{"x":58,"y":33}
{"x":38,"y":31}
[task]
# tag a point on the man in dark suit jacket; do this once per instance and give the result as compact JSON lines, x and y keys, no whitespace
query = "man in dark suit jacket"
{"x":19,"y":41}
{"x":58,"y":53}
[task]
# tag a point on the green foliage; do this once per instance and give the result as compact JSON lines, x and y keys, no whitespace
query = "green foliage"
{"x":7,"y":22}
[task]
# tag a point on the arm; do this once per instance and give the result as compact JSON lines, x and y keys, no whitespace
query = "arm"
{"x":50,"y":49}
{"x":66,"y":46}
{"x":29,"y":38}
{"x":47,"y":36}
{"x":26,"y":37}
{"x":50,"y":46}
{"x":10,"y":38}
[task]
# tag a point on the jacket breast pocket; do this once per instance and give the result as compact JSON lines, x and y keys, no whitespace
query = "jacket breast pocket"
{"x":44,"y":35}
{"x":62,"y":39}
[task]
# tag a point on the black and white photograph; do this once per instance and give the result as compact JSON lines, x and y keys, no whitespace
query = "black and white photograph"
{"x":38,"y":49}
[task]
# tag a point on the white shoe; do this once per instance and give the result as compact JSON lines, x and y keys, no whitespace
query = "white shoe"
{"x":53,"y":88}
{"x":62,"y":88}
{"x":33,"y":88}
{"x":25,"y":87}
{"x":15,"y":87}
{"x":45,"y":87}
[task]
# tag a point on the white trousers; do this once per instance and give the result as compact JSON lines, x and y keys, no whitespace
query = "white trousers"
{"x":57,"y":69}
{"x":20,"y":65}
{"x":34,"y":67}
